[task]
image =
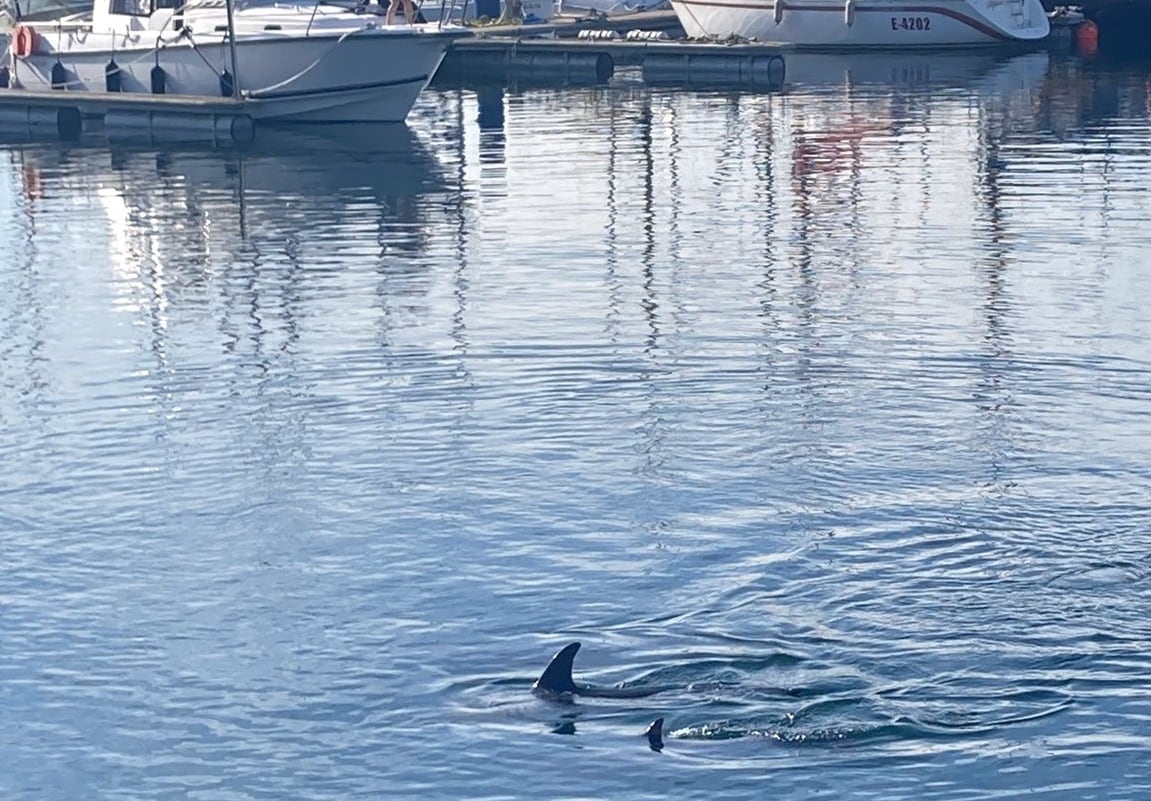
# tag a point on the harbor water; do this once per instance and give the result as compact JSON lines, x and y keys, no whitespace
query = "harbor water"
{"x":822,"y":409}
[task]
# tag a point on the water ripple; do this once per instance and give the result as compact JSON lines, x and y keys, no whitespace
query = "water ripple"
{"x":820,"y":410}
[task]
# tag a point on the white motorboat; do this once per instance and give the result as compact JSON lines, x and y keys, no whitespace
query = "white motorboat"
{"x":298,"y":61}
{"x":865,"y":23}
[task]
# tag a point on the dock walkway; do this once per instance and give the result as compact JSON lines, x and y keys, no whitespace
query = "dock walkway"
{"x":129,"y":115}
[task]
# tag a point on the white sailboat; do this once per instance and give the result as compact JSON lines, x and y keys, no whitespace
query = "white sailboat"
{"x":297,"y":61}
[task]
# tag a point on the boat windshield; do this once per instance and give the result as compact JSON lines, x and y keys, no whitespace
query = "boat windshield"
{"x":12,"y":11}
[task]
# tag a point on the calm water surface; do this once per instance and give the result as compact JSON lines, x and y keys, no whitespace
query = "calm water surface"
{"x":826,"y":407}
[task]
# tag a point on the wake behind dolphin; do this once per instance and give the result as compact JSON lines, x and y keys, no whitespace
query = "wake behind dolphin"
{"x":837,"y":710}
{"x":556,"y":681}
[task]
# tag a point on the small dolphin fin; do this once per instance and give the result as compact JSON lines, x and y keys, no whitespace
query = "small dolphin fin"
{"x":557,"y":676}
{"x":654,"y":734}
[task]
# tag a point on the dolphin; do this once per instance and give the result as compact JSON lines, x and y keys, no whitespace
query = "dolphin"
{"x":556,"y":681}
{"x":654,"y":734}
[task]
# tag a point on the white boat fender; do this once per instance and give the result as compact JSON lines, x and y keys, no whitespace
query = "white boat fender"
{"x":849,"y":13}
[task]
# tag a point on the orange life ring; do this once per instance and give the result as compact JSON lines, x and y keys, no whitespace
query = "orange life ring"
{"x":24,"y":41}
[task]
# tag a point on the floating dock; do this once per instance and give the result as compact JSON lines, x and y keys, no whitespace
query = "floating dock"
{"x":757,"y":66}
{"x":587,"y":50}
{"x":127,"y":115}
{"x":177,"y":118}
{"x":566,"y":51}
{"x":593,"y":61}
{"x":550,"y":61}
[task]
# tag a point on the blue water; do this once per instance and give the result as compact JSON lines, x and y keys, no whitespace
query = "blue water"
{"x":826,"y":408}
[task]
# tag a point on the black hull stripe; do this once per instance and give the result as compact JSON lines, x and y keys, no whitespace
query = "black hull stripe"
{"x":356,"y":87}
{"x":970,"y":21}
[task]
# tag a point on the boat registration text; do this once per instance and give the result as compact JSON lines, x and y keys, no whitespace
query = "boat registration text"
{"x":911,"y":23}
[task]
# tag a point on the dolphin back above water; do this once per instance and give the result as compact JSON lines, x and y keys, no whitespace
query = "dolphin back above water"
{"x":556,"y":681}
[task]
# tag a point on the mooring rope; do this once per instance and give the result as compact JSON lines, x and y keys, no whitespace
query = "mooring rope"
{"x":305,"y":70}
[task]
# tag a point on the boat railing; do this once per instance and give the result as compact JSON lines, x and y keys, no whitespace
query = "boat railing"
{"x":449,"y":9}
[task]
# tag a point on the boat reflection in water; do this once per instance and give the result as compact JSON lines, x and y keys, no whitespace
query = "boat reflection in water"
{"x":878,"y":95}
{"x":897,"y":72}
{"x":295,"y":214}
{"x":324,"y":171}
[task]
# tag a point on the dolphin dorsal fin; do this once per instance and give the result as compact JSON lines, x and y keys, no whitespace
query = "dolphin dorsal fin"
{"x":655,"y":734}
{"x":557,"y":676}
